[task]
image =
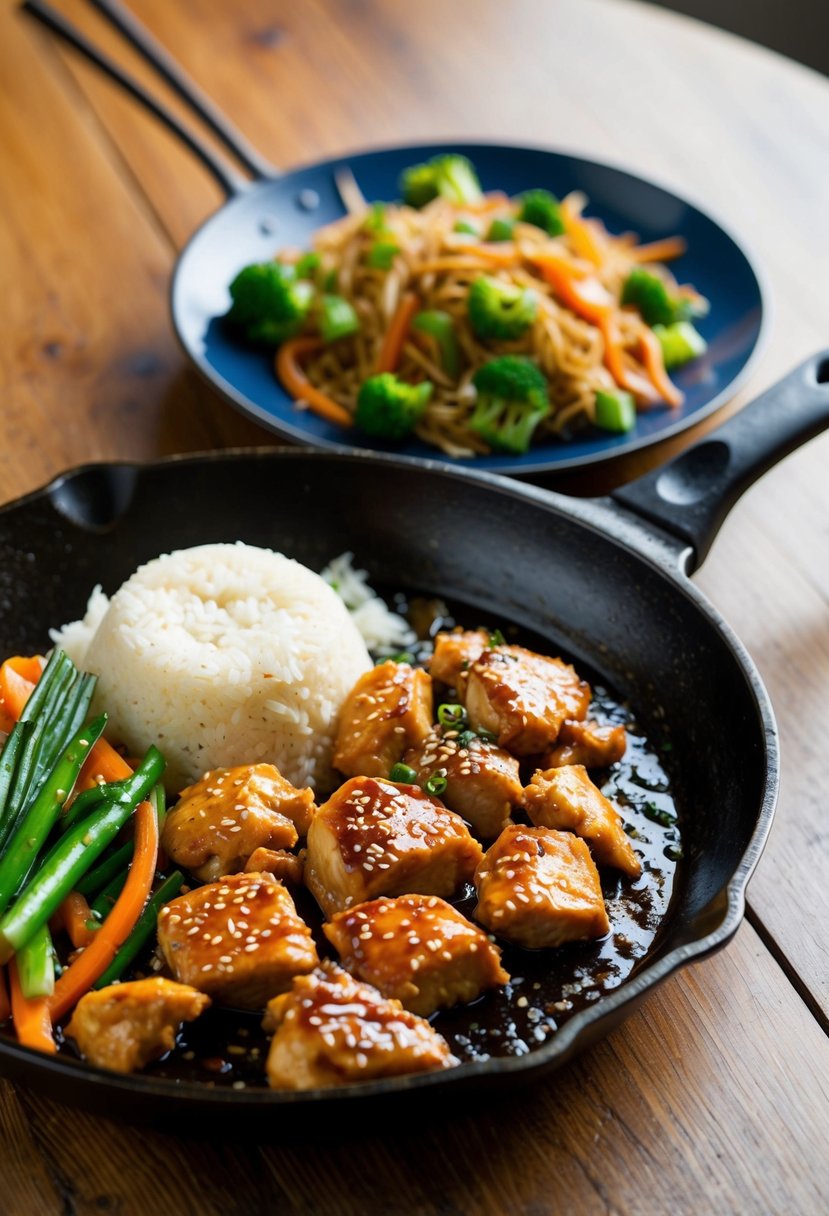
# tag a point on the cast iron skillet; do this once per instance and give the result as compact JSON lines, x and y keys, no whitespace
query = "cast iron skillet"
{"x":274,"y":211}
{"x":604,"y":580}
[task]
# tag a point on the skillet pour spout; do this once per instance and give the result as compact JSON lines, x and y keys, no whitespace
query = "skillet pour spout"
{"x":602,"y":581}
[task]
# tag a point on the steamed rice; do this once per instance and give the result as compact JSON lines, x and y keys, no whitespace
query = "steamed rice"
{"x":222,"y":655}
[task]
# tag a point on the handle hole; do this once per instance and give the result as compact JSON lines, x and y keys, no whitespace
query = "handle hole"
{"x":823,"y":371}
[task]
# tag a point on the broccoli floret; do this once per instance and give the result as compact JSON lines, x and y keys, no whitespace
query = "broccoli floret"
{"x":500,"y":310}
{"x":541,"y":208}
{"x":388,"y":408}
{"x":501,"y":230}
{"x":451,"y":176}
{"x":269,"y":303}
{"x":512,"y":399}
{"x":656,"y":304}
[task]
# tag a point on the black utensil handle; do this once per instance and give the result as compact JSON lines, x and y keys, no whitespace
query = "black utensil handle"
{"x":231,"y":181}
{"x":139,"y":37}
{"x":691,"y":496}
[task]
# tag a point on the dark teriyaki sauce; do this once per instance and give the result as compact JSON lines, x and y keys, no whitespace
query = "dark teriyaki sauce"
{"x":227,"y":1047}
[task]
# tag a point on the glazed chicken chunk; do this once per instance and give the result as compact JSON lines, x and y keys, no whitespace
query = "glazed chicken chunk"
{"x":417,"y":949}
{"x":387,"y":710}
{"x":332,"y":1029}
{"x":125,"y":1026}
{"x":566,"y":798}
{"x":455,"y":653}
{"x":218,"y":822}
{"x":523,"y":698}
{"x":287,"y":867}
{"x":239,"y":940}
{"x":586,"y":743}
{"x":377,"y":837}
{"x":482,"y":781}
{"x":537,"y":888}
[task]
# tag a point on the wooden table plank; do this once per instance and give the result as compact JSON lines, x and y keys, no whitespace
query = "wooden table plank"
{"x":420,"y":87}
{"x":693,"y":1106}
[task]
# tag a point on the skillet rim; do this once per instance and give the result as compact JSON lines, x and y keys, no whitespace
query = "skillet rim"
{"x":581,"y":1028}
{"x":286,"y":429}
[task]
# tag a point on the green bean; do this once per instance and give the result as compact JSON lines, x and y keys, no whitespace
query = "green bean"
{"x":71,"y":857}
{"x":104,"y":901}
{"x":36,"y":965}
{"x":38,"y":819}
{"x":95,"y":880}
{"x":144,"y":928}
{"x":8,"y":765}
{"x":131,"y":790}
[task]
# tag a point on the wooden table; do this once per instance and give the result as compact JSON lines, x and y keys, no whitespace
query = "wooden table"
{"x":713,"y":1098}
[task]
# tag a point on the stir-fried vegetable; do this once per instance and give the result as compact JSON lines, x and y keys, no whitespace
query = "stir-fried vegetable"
{"x":541,"y":208}
{"x":512,"y":399}
{"x":270,"y":303}
{"x":501,"y":230}
{"x":615,"y":411}
{"x":450,"y":176}
{"x":337,"y":318}
{"x":680,"y":343}
{"x":388,"y":408}
{"x":440,"y":326}
{"x":500,"y":311}
{"x":143,"y":931}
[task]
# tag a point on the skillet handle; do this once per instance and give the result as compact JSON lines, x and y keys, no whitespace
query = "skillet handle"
{"x":691,"y":496}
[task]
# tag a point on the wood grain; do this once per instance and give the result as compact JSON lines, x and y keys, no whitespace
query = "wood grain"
{"x":713,"y":1098}
{"x":693,"y":1106}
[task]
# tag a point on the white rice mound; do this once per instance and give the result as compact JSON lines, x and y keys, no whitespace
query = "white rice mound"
{"x":222,"y":655}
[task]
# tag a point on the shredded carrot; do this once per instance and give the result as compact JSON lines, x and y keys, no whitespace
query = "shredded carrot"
{"x":5,"y":1006}
{"x":32,"y":1020}
{"x":103,"y":763}
{"x":660,"y":251}
{"x":18,"y":677}
{"x":74,"y":916}
{"x":93,"y":962}
{"x":292,"y":376}
{"x":582,"y":233}
{"x":589,"y":299}
{"x":490,"y":202}
{"x":499,"y":253}
{"x":396,"y":333}
{"x":655,"y":367}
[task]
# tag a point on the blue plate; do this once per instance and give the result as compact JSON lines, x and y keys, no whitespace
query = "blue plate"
{"x":285,"y":211}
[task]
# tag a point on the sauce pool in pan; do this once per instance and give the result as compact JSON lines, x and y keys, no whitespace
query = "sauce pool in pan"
{"x":227,"y":1047}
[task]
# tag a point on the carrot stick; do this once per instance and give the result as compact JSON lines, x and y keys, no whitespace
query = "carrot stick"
{"x":32,"y":1021}
{"x":18,"y":677}
{"x":660,"y":251}
{"x":396,"y":333}
{"x":299,"y":386}
{"x":5,"y":1005}
{"x":655,"y":367}
{"x":93,"y":962}
{"x":594,"y":303}
{"x":74,"y":916}
{"x":583,"y":236}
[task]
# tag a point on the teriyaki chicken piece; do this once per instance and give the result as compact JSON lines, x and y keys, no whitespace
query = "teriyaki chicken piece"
{"x":482,"y":782}
{"x":587,"y":743}
{"x":388,"y":710}
{"x":377,"y":837}
{"x":523,"y":698}
{"x":126,"y":1026}
{"x":538,"y":887}
{"x":417,"y":949}
{"x":331,"y":1029}
{"x":566,"y":798}
{"x":240,"y":940}
{"x":220,"y":820}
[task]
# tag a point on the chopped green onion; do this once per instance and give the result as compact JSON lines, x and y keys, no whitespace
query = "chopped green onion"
{"x":382,"y":254}
{"x":680,"y":343}
{"x":466,"y":737}
{"x":501,"y":230}
{"x":496,"y":638}
{"x":436,"y":784}
{"x":466,"y":227}
{"x":487,"y":736}
{"x":337,"y":318}
{"x":403,"y":773}
{"x":441,"y":326}
{"x":615,"y":411}
{"x":451,"y":715}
